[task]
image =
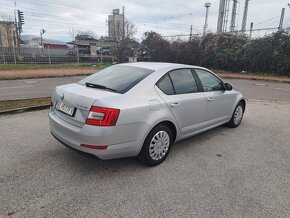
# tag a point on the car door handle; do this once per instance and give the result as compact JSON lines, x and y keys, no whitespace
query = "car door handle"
{"x":175,"y":104}
{"x":210,"y":98}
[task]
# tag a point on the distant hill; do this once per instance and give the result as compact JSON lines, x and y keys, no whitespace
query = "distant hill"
{"x":50,"y":41}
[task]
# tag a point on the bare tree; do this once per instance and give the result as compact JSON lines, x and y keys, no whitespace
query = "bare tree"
{"x":125,"y":47}
{"x":72,"y":33}
{"x":130,"y":29}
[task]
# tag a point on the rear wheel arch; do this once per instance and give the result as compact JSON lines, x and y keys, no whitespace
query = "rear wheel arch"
{"x":167,"y":123}
{"x":171,"y":126}
{"x":158,"y":134}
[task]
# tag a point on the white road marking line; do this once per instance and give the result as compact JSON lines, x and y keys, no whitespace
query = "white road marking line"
{"x":261,"y":84}
{"x":16,"y":87}
{"x":30,"y":81}
{"x":282,"y":89}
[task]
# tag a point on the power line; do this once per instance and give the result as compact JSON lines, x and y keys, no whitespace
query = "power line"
{"x":273,"y":18}
{"x":66,"y":20}
{"x":169,"y":17}
{"x":180,"y":35}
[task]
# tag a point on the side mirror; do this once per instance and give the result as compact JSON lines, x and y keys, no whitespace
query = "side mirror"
{"x":228,"y":87}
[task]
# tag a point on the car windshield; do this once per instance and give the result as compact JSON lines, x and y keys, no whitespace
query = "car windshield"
{"x":118,"y":78}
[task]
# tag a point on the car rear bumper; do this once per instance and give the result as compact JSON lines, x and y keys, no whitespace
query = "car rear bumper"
{"x":119,"y":145}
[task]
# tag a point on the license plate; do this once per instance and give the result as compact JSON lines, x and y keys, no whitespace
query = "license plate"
{"x":62,"y":107}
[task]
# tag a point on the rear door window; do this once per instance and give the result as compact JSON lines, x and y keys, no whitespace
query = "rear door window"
{"x":183,"y":81}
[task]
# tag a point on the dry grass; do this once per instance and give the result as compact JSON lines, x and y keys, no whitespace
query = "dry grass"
{"x":52,"y":66}
{"x":14,"y":104}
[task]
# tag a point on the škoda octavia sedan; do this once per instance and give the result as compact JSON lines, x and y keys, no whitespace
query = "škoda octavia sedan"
{"x":141,"y":109}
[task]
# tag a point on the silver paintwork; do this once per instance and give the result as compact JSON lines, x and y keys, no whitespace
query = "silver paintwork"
{"x":142,"y":108}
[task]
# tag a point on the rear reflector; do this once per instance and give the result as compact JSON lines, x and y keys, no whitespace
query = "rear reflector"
{"x":100,"y":116}
{"x":97,"y":147}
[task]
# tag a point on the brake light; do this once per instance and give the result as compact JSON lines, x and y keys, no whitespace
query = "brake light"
{"x":97,"y":147}
{"x":100,"y":116}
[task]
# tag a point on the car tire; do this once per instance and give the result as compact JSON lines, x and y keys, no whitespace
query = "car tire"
{"x":157,"y":146}
{"x":237,"y":116}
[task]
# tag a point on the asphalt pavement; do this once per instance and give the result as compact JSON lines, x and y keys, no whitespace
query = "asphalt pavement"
{"x":32,"y":88}
{"x":28,"y":88}
{"x":242,"y":172}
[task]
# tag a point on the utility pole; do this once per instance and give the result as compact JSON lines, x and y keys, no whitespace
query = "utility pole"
{"x":19,"y":21}
{"x":251,"y":30}
{"x":234,"y":14}
{"x":78,"y":56}
{"x":221,"y":16}
{"x":226,"y":16}
{"x":3,"y":55}
{"x":281,"y":19}
{"x":206,"y":5}
{"x":42,"y":31}
{"x":124,"y":35}
{"x":244,"y":23}
{"x":16,"y":25}
{"x":190,"y":35}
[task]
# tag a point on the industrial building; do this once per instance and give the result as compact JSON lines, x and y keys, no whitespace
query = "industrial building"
{"x":116,"y":25}
{"x":8,"y":37}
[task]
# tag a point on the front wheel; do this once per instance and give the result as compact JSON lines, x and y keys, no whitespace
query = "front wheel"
{"x":156,"y":146}
{"x":237,"y":116}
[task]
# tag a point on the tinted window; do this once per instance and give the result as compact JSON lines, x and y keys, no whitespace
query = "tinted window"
{"x":165,"y":85}
{"x":209,"y":81}
{"x":118,"y":77}
{"x":183,"y":81}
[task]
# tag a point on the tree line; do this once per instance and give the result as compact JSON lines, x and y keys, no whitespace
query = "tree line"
{"x":225,"y":51}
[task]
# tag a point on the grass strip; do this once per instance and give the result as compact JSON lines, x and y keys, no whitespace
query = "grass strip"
{"x":52,"y":66}
{"x":42,"y":77}
{"x":23,"y":103}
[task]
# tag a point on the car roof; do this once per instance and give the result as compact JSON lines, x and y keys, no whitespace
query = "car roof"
{"x":158,"y":65}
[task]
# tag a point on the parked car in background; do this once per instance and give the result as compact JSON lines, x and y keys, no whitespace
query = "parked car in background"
{"x":105,"y":51}
{"x":141,"y":109}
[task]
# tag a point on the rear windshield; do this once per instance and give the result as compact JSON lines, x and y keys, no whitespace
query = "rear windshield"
{"x":119,"y":78}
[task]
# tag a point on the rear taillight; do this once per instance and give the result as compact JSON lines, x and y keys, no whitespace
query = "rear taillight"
{"x":100,"y":116}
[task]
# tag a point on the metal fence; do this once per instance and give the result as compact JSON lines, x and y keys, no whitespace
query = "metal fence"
{"x":47,"y":55}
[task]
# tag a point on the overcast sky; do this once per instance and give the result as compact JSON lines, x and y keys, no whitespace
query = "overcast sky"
{"x":168,"y":17}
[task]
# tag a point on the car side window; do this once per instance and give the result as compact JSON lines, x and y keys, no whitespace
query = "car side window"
{"x":165,"y":85}
{"x":209,"y":81}
{"x":183,"y":81}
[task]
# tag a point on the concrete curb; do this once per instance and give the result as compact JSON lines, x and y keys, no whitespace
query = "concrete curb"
{"x":267,"y":79}
{"x":25,"y":109}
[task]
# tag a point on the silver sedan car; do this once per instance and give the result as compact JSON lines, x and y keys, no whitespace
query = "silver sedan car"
{"x":141,"y":109}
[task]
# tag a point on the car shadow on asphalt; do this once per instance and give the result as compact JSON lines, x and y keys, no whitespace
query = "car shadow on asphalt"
{"x":93,"y":164}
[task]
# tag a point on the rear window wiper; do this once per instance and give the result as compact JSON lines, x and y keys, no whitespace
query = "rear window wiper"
{"x":92,"y":85}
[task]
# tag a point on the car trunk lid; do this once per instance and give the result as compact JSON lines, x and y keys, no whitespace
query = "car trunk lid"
{"x":80,"y":99}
